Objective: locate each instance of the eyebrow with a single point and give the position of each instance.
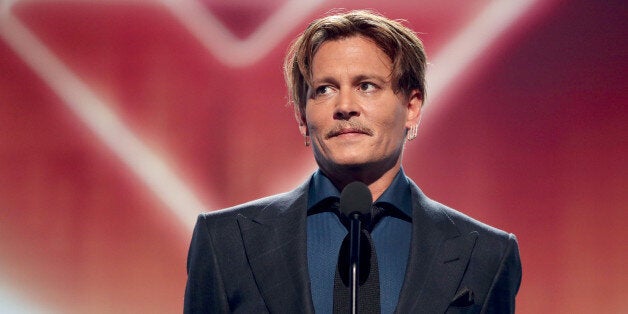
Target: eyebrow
(358, 78)
(367, 77)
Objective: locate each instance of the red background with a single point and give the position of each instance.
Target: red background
(530, 136)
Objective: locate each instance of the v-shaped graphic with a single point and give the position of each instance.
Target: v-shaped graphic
(226, 46)
(146, 164)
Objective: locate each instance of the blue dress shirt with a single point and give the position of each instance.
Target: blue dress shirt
(391, 237)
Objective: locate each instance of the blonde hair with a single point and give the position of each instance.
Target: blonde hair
(398, 42)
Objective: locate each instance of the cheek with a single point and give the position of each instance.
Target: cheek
(314, 120)
(391, 121)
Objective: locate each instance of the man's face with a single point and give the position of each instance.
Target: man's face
(353, 116)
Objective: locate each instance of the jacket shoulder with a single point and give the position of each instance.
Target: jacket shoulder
(493, 271)
(467, 223)
(274, 203)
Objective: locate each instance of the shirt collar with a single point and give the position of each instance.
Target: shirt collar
(321, 188)
(398, 194)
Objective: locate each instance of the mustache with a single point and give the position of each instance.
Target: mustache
(349, 127)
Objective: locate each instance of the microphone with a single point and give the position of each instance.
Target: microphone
(355, 203)
(356, 200)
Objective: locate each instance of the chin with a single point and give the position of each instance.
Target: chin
(353, 160)
(353, 165)
(342, 163)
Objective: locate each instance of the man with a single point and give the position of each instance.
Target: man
(357, 83)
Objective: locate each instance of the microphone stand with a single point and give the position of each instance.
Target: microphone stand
(355, 200)
(354, 259)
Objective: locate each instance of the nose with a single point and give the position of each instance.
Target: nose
(346, 106)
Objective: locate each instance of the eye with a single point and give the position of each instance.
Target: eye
(322, 90)
(367, 87)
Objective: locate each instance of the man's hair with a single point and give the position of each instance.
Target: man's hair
(398, 42)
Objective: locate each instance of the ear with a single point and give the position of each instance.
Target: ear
(415, 103)
(299, 114)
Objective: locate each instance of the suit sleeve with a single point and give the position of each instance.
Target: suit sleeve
(204, 291)
(501, 297)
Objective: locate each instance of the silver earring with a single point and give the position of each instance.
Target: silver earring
(307, 141)
(412, 132)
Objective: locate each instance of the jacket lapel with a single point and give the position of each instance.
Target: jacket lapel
(276, 247)
(438, 257)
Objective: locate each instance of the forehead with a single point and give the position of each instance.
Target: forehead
(354, 55)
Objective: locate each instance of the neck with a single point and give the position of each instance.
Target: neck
(377, 182)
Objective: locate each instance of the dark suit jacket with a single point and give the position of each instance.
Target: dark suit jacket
(252, 259)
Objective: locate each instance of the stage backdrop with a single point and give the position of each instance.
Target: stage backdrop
(121, 121)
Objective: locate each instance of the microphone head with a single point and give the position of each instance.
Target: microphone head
(356, 198)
